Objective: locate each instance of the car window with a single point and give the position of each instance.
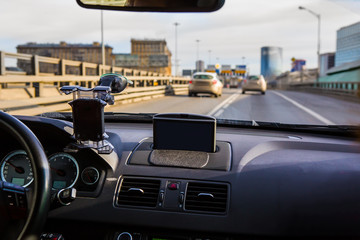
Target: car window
(254, 78)
(206, 77)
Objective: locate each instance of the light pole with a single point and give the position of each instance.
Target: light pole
(197, 54)
(197, 49)
(209, 57)
(102, 39)
(318, 41)
(176, 60)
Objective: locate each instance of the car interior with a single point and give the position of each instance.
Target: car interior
(174, 176)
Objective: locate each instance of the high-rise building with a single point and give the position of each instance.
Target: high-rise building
(153, 55)
(271, 62)
(348, 44)
(327, 61)
(200, 66)
(77, 52)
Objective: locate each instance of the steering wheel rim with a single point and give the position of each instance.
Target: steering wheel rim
(40, 202)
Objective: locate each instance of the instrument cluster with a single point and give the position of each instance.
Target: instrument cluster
(16, 168)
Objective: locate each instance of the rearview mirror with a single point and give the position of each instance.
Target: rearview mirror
(154, 5)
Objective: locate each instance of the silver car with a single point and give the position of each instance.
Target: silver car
(204, 82)
(254, 83)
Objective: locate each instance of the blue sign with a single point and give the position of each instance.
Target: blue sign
(240, 67)
(298, 65)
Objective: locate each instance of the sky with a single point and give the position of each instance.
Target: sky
(236, 31)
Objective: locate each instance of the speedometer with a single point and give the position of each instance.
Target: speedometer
(64, 170)
(16, 168)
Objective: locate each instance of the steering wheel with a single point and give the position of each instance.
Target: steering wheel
(37, 206)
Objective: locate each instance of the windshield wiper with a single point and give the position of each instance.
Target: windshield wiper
(339, 130)
(346, 130)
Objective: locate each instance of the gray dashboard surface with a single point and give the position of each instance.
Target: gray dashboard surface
(143, 154)
(280, 184)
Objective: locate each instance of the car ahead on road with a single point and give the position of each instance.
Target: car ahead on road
(254, 83)
(203, 82)
(234, 82)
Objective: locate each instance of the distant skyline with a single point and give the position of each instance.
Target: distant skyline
(237, 30)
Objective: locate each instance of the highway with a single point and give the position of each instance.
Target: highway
(275, 106)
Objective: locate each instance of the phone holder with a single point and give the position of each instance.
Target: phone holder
(88, 111)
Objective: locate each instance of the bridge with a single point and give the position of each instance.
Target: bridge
(295, 99)
(39, 92)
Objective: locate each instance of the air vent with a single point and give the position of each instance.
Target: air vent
(140, 192)
(206, 197)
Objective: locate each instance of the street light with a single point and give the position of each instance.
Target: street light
(318, 43)
(209, 57)
(197, 54)
(102, 39)
(197, 49)
(176, 60)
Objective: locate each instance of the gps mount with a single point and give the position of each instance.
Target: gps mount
(88, 111)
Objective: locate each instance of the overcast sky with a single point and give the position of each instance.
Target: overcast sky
(237, 30)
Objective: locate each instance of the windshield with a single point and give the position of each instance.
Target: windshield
(308, 53)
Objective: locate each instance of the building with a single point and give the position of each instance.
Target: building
(77, 52)
(200, 66)
(153, 55)
(344, 74)
(271, 62)
(348, 44)
(126, 60)
(327, 61)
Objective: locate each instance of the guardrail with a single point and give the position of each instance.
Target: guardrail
(39, 92)
(348, 89)
(40, 105)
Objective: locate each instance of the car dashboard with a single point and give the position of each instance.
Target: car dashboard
(260, 184)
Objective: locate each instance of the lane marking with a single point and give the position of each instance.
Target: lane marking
(232, 100)
(234, 96)
(309, 111)
(219, 113)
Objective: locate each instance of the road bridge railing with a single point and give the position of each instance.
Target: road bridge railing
(306, 81)
(336, 88)
(38, 92)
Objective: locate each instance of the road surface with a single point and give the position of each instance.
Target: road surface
(274, 106)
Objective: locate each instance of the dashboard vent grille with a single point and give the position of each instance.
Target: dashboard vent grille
(139, 192)
(206, 197)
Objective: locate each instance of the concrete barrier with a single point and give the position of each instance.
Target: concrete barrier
(39, 92)
(35, 106)
(343, 90)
